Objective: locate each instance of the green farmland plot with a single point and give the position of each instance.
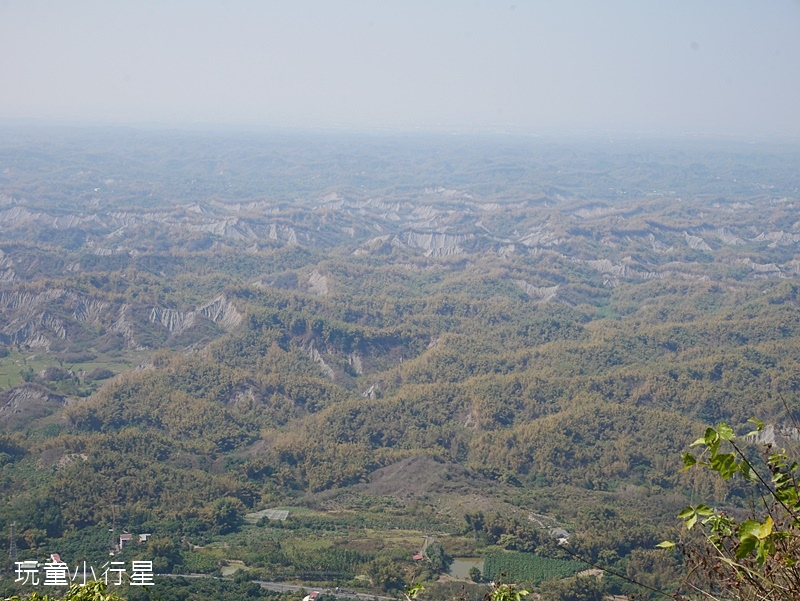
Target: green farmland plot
(525, 567)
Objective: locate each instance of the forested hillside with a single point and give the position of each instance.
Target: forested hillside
(447, 337)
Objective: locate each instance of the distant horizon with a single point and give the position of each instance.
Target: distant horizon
(549, 133)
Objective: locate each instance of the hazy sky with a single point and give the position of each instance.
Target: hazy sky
(708, 66)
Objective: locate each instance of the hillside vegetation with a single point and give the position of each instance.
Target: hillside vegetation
(392, 339)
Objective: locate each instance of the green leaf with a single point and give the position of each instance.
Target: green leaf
(745, 547)
(691, 521)
(704, 510)
(725, 464)
(686, 513)
(766, 528)
(747, 472)
(724, 431)
(710, 437)
(759, 426)
(765, 548)
(666, 544)
(688, 461)
(749, 528)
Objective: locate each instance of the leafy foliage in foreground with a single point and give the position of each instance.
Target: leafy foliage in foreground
(95, 590)
(753, 556)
